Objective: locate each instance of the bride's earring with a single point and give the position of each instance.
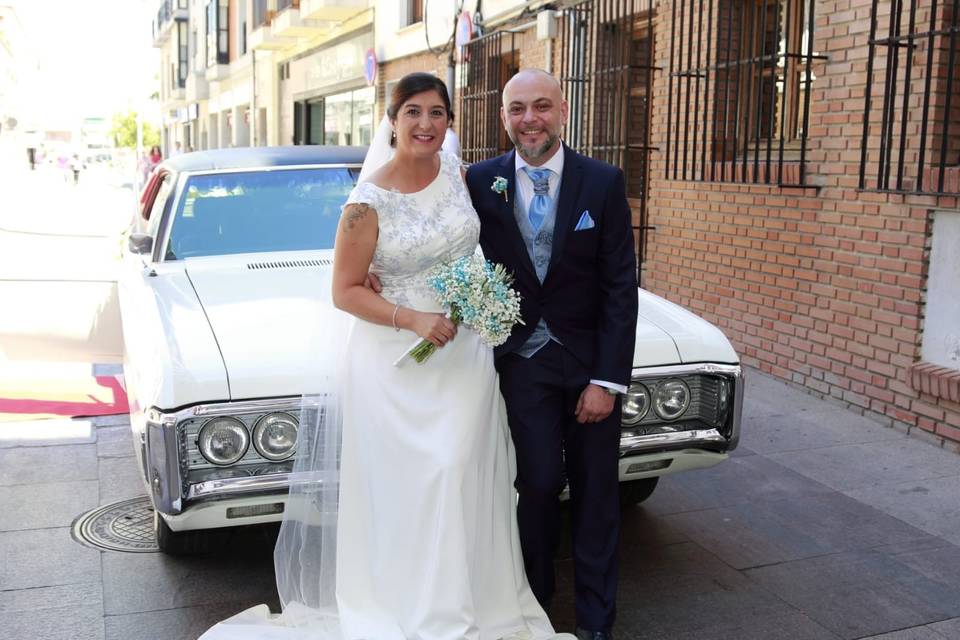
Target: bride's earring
(393, 138)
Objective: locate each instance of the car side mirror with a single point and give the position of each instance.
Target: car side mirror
(140, 243)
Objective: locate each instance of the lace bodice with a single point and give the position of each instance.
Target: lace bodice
(419, 230)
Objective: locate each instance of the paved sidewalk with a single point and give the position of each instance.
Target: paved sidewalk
(823, 525)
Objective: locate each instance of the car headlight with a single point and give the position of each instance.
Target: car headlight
(671, 398)
(275, 436)
(636, 403)
(223, 440)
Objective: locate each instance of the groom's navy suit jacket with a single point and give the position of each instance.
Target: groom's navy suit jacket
(589, 295)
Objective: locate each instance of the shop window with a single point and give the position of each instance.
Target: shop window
(341, 119)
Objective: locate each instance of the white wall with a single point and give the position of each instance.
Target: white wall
(394, 41)
(941, 328)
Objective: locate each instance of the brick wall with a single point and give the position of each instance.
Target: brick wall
(822, 287)
(528, 52)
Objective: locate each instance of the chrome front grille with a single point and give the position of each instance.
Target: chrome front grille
(194, 460)
(290, 264)
(194, 468)
(710, 403)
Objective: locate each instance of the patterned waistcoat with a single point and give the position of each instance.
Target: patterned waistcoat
(539, 247)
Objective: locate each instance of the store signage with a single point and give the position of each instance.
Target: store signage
(337, 64)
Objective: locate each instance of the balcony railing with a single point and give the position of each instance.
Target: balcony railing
(291, 23)
(262, 14)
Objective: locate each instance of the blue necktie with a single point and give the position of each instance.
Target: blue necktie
(540, 204)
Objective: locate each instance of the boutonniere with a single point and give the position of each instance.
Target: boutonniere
(500, 186)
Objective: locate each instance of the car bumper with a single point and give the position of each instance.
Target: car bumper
(208, 504)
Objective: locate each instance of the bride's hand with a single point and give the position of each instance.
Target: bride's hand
(434, 327)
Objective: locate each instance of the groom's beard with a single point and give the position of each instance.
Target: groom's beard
(535, 152)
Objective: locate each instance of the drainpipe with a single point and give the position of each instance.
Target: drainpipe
(253, 99)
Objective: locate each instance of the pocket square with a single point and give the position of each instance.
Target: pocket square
(586, 222)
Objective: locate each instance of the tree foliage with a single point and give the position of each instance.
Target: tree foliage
(124, 131)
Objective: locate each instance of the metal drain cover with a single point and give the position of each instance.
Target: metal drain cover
(120, 526)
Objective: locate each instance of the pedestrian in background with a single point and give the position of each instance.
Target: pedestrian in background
(148, 162)
(76, 166)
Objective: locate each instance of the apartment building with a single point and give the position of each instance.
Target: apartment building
(263, 72)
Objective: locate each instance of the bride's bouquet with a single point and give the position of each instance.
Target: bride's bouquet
(476, 293)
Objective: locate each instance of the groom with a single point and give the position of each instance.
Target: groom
(561, 223)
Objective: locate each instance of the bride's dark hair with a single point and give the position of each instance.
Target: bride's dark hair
(412, 84)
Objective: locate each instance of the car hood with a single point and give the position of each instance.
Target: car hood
(669, 334)
(267, 315)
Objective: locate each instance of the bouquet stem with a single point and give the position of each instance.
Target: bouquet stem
(422, 349)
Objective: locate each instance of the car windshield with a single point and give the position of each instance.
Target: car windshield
(257, 211)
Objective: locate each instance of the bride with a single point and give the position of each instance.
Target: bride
(420, 542)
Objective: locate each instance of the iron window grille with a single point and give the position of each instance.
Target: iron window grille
(911, 141)
(606, 69)
(738, 93)
(486, 65)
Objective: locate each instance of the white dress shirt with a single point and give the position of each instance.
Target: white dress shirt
(525, 192)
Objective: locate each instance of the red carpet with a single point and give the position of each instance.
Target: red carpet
(62, 398)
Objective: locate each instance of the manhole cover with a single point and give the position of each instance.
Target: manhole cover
(120, 526)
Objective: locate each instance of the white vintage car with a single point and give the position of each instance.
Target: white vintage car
(216, 314)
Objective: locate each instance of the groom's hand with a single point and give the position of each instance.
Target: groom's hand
(594, 404)
(372, 282)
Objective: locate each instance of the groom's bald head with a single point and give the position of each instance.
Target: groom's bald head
(537, 76)
(534, 113)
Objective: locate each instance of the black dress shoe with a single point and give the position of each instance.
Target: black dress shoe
(583, 634)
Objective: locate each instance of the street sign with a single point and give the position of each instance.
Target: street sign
(464, 35)
(464, 29)
(370, 66)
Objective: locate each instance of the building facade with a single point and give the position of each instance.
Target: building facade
(263, 72)
(792, 165)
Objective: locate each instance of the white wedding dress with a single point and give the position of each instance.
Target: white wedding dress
(427, 545)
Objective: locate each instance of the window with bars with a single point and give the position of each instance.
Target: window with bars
(606, 69)
(606, 72)
(911, 122)
(738, 90)
(218, 32)
(487, 63)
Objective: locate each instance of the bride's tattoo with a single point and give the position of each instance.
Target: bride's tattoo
(354, 214)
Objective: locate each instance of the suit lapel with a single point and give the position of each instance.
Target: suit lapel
(569, 189)
(507, 167)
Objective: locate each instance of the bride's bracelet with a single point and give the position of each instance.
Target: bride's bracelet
(394, 319)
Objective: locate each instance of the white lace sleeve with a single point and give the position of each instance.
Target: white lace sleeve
(365, 193)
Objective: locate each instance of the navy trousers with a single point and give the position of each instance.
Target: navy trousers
(541, 395)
